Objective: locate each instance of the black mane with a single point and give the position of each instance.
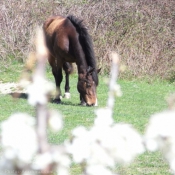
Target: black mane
(86, 43)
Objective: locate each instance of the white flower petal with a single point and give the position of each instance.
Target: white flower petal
(98, 169)
(55, 121)
(17, 133)
(104, 117)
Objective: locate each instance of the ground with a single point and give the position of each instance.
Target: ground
(6, 88)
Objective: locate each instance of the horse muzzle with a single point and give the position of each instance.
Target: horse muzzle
(89, 103)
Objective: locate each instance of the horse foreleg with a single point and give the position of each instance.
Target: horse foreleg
(68, 69)
(82, 102)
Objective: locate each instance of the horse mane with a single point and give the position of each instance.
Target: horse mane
(86, 43)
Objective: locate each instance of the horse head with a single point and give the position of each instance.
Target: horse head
(87, 87)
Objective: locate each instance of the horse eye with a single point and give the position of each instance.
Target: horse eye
(88, 85)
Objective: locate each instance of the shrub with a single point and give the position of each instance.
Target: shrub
(141, 31)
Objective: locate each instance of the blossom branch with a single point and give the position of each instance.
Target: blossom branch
(113, 79)
(41, 109)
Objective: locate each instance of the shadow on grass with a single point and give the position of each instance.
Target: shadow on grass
(19, 95)
(25, 96)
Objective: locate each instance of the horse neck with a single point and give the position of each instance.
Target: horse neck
(81, 65)
(80, 57)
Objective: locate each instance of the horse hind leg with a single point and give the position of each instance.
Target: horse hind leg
(57, 73)
(68, 68)
(58, 80)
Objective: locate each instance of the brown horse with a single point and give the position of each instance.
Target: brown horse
(68, 41)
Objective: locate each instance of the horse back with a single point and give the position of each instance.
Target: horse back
(59, 32)
(52, 24)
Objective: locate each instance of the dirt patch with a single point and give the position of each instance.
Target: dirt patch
(7, 88)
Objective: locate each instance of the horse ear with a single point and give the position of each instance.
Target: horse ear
(98, 70)
(90, 70)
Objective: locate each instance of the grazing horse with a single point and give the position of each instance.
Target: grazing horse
(68, 41)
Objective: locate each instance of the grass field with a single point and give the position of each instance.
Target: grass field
(140, 99)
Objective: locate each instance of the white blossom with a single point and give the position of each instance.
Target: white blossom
(38, 91)
(42, 160)
(160, 135)
(105, 144)
(100, 134)
(57, 157)
(62, 171)
(24, 83)
(55, 121)
(159, 129)
(6, 166)
(100, 156)
(61, 157)
(79, 146)
(117, 90)
(104, 117)
(29, 172)
(86, 147)
(79, 149)
(17, 133)
(121, 142)
(79, 131)
(98, 169)
(127, 144)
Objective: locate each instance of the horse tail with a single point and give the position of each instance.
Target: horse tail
(86, 43)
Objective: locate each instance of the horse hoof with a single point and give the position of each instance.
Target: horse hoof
(57, 101)
(67, 95)
(83, 103)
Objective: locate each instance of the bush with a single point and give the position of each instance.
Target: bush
(141, 31)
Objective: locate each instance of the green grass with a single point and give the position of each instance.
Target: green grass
(140, 100)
